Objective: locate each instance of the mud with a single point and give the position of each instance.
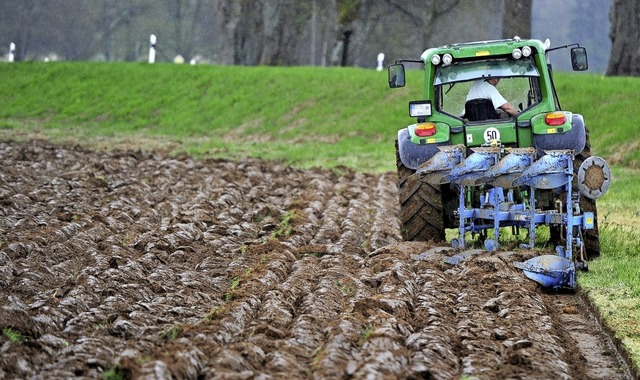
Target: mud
(149, 266)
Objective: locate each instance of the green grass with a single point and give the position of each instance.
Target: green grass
(613, 282)
(115, 373)
(12, 335)
(284, 228)
(608, 105)
(307, 117)
(171, 333)
(366, 333)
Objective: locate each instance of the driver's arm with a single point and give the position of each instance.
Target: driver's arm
(508, 108)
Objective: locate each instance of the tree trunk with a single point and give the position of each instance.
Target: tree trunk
(190, 41)
(230, 12)
(516, 19)
(25, 28)
(368, 17)
(273, 24)
(625, 33)
(314, 32)
(177, 18)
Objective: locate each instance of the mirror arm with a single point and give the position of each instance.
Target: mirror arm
(563, 47)
(409, 61)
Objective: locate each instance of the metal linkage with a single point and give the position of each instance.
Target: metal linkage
(501, 171)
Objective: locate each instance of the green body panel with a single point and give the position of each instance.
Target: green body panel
(541, 128)
(457, 138)
(525, 137)
(505, 132)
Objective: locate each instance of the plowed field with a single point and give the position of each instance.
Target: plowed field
(149, 266)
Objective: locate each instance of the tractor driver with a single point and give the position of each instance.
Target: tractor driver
(486, 89)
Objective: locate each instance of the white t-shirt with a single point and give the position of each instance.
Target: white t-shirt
(481, 89)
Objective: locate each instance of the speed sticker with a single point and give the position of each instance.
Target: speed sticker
(491, 134)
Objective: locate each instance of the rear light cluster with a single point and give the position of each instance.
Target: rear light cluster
(555, 119)
(425, 129)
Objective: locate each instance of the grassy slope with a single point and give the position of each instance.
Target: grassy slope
(314, 117)
(309, 116)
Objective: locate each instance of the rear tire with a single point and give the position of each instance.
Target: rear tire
(421, 207)
(592, 236)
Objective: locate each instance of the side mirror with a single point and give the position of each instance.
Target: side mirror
(579, 59)
(396, 75)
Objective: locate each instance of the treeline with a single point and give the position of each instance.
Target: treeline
(254, 32)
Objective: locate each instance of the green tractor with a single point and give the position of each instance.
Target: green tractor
(492, 148)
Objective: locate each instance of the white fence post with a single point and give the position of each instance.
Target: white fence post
(380, 61)
(152, 48)
(12, 52)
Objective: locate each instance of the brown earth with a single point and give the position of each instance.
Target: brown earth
(155, 267)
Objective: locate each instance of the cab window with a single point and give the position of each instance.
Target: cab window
(519, 83)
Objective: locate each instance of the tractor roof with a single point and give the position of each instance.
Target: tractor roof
(484, 48)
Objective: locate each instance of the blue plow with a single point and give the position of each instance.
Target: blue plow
(550, 271)
(497, 174)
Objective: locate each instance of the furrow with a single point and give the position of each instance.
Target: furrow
(386, 225)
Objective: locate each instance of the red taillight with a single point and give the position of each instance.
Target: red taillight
(555, 119)
(425, 129)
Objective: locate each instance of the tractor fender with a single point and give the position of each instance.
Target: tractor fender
(413, 155)
(574, 139)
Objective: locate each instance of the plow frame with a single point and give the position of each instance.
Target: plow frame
(498, 210)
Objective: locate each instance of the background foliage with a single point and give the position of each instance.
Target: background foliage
(283, 32)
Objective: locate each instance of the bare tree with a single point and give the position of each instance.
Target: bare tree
(72, 28)
(625, 33)
(416, 18)
(19, 16)
(275, 17)
(517, 19)
(183, 15)
(266, 32)
(116, 15)
(26, 17)
(316, 28)
(227, 19)
(424, 14)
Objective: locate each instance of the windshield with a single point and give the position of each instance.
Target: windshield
(518, 84)
(464, 71)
